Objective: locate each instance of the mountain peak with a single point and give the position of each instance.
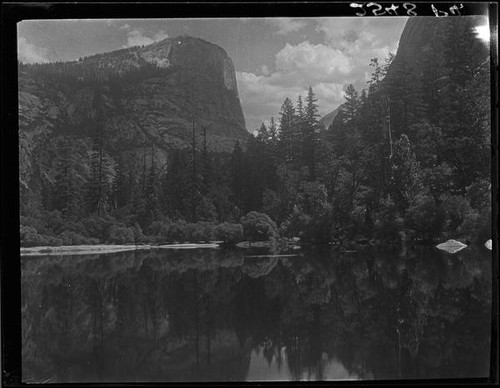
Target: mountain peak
(327, 119)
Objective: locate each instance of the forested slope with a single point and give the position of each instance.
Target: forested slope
(406, 159)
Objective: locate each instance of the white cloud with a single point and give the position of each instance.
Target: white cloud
(362, 39)
(287, 25)
(160, 35)
(325, 68)
(342, 58)
(264, 69)
(30, 53)
(262, 96)
(137, 36)
(313, 62)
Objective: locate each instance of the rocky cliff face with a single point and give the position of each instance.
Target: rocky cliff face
(419, 64)
(327, 119)
(138, 98)
(424, 37)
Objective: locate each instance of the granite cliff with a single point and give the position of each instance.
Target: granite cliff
(134, 99)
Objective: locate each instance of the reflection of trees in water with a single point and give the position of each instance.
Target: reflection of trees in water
(186, 315)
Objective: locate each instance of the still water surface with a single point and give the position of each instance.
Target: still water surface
(216, 315)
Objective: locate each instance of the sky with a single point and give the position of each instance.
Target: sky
(274, 58)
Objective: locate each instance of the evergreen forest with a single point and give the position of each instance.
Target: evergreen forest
(406, 160)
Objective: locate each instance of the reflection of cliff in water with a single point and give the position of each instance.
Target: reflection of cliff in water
(216, 315)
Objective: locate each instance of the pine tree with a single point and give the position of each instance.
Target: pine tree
(237, 178)
(151, 193)
(206, 165)
(71, 174)
(193, 184)
(99, 185)
(119, 189)
(351, 105)
(287, 121)
(273, 138)
(405, 95)
(311, 128)
(407, 174)
(298, 133)
(379, 72)
(263, 134)
(273, 131)
(175, 196)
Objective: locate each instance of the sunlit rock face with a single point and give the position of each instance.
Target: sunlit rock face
(193, 54)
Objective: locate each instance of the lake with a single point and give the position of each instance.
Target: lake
(237, 315)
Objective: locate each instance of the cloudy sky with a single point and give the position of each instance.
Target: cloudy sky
(274, 57)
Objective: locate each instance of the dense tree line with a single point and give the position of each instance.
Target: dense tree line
(407, 158)
(119, 69)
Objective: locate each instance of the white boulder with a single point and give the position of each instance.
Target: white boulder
(451, 246)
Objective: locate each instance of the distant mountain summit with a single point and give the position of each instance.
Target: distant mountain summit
(327, 119)
(186, 52)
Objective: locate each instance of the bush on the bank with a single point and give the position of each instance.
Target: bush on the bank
(201, 232)
(477, 226)
(425, 218)
(388, 223)
(35, 223)
(456, 209)
(358, 223)
(294, 225)
(31, 238)
(271, 203)
(159, 228)
(76, 227)
(139, 236)
(484, 227)
(319, 229)
(72, 238)
(230, 233)
(313, 229)
(258, 227)
(54, 222)
(479, 194)
(98, 227)
(121, 235)
(177, 231)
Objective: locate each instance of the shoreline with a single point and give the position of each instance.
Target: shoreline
(111, 248)
(106, 248)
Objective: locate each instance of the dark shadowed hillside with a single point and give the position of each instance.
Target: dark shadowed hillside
(135, 98)
(95, 130)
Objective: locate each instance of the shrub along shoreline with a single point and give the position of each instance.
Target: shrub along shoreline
(54, 231)
(423, 225)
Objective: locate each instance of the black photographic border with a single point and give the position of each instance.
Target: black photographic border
(10, 280)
